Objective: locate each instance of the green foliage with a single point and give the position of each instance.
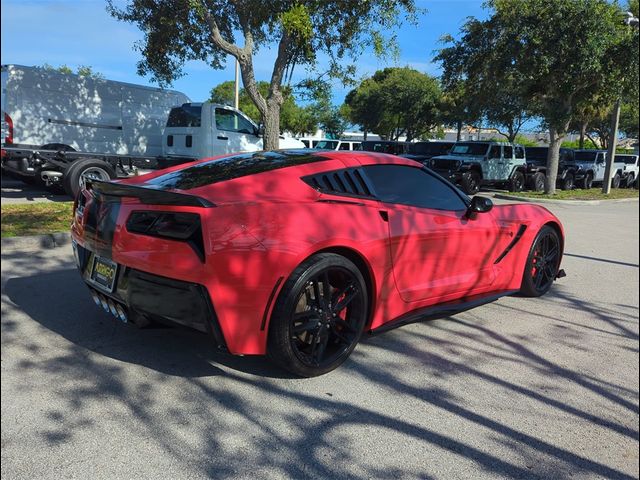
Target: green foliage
(293, 118)
(82, 70)
(588, 144)
(525, 141)
(629, 119)
(396, 102)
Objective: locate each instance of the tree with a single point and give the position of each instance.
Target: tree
(293, 118)
(491, 86)
(179, 30)
(82, 70)
(561, 54)
(396, 102)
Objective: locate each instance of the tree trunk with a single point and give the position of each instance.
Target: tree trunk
(583, 133)
(365, 135)
(459, 134)
(271, 140)
(553, 158)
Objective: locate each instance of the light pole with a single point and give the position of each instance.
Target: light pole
(632, 21)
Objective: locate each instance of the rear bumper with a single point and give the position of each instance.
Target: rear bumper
(160, 298)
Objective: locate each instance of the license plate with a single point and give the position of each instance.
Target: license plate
(103, 273)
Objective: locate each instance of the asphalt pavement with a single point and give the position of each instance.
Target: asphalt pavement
(16, 191)
(521, 388)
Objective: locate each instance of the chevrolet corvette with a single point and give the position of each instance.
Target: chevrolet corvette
(295, 254)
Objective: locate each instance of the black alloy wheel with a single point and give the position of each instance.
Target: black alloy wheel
(471, 182)
(615, 181)
(543, 263)
(567, 182)
(319, 316)
(587, 182)
(516, 182)
(537, 182)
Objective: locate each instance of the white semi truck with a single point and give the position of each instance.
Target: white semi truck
(62, 129)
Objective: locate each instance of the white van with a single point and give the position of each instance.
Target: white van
(45, 109)
(201, 130)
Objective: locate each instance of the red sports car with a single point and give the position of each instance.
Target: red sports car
(296, 253)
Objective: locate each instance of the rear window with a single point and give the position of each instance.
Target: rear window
(185, 116)
(237, 166)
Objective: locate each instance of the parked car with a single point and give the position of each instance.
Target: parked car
(297, 253)
(385, 146)
(330, 144)
(474, 164)
(537, 168)
(590, 166)
(630, 169)
(424, 151)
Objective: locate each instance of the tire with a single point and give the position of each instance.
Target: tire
(545, 250)
(537, 181)
(470, 183)
(587, 182)
(615, 181)
(630, 180)
(516, 182)
(76, 173)
(567, 183)
(312, 333)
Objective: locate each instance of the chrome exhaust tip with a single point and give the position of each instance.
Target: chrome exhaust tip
(112, 308)
(95, 297)
(121, 314)
(104, 303)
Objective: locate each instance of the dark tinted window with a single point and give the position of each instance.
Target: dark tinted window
(412, 186)
(326, 145)
(537, 153)
(508, 151)
(394, 148)
(495, 151)
(230, 121)
(470, 148)
(229, 168)
(583, 156)
(519, 152)
(628, 159)
(429, 148)
(185, 116)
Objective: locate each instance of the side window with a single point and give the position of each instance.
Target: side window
(343, 146)
(230, 121)
(519, 152)
(357, 146)
(413, 186)
(508, 151)
(495, 151)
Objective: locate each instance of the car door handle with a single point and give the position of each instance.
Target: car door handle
(222, 137)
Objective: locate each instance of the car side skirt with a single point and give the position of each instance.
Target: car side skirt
(442, 310)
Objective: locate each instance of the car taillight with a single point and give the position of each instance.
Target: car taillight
(8, 138)
(184, 227)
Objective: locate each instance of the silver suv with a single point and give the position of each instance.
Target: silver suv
(474, 164)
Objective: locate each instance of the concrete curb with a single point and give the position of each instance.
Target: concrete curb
(560, 202)
(35, 242)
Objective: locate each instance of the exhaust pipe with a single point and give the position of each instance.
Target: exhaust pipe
(50, 177)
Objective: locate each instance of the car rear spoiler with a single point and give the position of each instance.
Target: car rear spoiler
(146, 195)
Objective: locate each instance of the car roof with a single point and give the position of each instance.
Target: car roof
(221, 169)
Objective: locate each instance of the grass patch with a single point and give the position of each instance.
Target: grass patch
(578, 194)
(36, 218)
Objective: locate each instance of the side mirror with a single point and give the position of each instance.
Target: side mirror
(479, 204)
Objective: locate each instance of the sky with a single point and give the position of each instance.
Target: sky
(81, 32)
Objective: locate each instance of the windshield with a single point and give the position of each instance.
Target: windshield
(585, 156)
(326, 145)
(428, 148)
(469, 149)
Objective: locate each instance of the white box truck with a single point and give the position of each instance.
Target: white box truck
(60, 127)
